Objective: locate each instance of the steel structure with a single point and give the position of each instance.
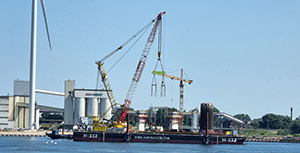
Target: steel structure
(140, 67)
(107, 86)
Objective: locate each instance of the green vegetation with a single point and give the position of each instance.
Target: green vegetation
(50, 126)
(257, 132)
(131, 118)
(295, 126)
(161, 117)
(283, 132)
(52, 116)
(187, 120)
(216, 110)
(272, 121)
(243, 117)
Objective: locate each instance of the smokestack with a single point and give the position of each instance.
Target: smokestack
(292, 113)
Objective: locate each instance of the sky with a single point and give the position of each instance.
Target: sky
(243, 56)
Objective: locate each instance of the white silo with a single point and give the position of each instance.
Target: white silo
(79, 109)
(92, 107)
(104, 106)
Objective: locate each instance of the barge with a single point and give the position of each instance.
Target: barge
(206, 135)
(159, 137)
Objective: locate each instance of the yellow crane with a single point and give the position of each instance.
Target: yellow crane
(182, 80)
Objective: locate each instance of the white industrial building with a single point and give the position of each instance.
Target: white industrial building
(83, 103)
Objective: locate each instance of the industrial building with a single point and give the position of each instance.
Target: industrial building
(5, 116)
(11, 115)
(83, 103)
(78, 106)
(14, 109)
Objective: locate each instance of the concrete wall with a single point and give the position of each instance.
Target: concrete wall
(21, 116)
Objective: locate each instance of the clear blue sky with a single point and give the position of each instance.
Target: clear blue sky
(242, 55)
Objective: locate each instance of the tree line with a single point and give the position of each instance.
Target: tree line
(52, 115)
(285, 124)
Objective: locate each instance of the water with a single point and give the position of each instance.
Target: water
(44, 144)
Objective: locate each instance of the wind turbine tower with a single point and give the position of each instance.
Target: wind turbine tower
(33, 58)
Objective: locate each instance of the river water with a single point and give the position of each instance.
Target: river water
(45, 144)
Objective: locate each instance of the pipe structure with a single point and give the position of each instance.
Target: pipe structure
(49, 92)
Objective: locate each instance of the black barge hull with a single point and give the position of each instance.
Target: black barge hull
(157, 138)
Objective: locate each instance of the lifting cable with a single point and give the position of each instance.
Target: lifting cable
(153, 85)
(143, 30)
(146, 28)
(126, 42)
(186, 75)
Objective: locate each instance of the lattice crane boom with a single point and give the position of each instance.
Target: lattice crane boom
(140, 67)
(108, 88)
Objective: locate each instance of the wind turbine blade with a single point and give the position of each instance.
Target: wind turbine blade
(45, 18)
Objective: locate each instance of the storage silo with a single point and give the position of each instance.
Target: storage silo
(104, 106)
(79, 109)
(207, 116)
(92, 107)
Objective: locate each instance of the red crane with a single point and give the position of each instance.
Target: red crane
(140, 67)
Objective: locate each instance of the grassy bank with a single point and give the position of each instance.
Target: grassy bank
(257, 132)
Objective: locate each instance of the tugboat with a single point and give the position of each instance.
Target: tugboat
(54, 135)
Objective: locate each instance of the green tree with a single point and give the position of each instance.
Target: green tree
(162, 117)
(131, 118)
(243, 117)
(217, 121)
(187, 120)
(257, 123)
(295, 126)
(272, 121)
(216, 110)
(52, 116)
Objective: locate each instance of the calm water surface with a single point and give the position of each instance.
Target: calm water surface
(44, 144)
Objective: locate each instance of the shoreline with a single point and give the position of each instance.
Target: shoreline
(29, 133)
(274, 140)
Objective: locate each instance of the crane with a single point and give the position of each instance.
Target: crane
(163, 73)
(140, 67)
(103, 73)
